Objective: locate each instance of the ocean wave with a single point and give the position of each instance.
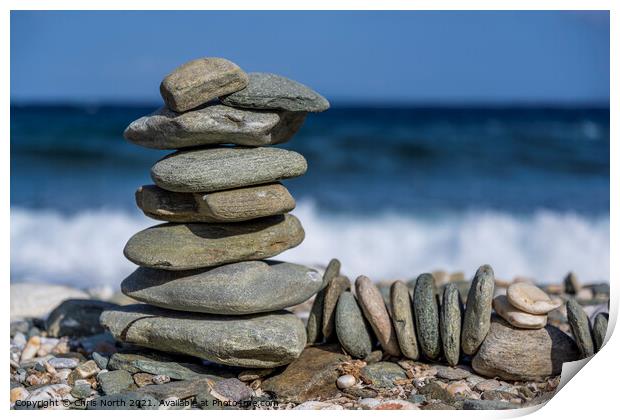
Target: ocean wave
(85, 249)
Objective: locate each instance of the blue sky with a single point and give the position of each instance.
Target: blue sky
(376, 57)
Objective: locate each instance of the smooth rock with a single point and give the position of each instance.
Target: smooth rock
(200, 245)
(580, 327)
(516, 317)
(451, 373)
(435, 391)
(487, 385)
(81, 389)
(517, 354)
(235, 205)
(427, 316)
(376, 314)
(63, 363)
(115, 382)
(352, 329)
(333, 291)
(234, 289)
(488, 405)
(314, 325)
(530, 299)
(383, 374)
(211, 125)
(450, 323)
(101, 360)
(86, 370)
(312, 375)
(402, 317)
(270, 91)
(599, 329)
(225, 168)
(571, 284)
(477, 318)
(346, 381)
(232, 389)
(77, 318)
(173, 366)
(124, 401)
(37, 300)
(257, 341)
(178, 389)
(142, 379)
(200, 81)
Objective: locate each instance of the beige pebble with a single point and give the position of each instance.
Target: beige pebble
(19, 394)
(31, 349)
(530, 299)
(456, 388)
(396, 405)
(487, 385)
(87, 369)
(161, 379)
(516, 317)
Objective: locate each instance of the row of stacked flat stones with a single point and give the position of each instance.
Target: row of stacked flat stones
(427, 323)
(208, 291)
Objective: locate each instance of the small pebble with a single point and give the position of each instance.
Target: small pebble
(19, 394)
(161, 379)
(346, 381)
(31, 348)
(63, 363)
(87, 369)
(81, 389)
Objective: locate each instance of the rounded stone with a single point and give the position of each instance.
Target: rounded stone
(314, 326)
(213, 124)
(346, 381)
(200, 81)
(225, 168)
(376, 314)
(599, 329)
(515, 354)
(270, 91)
(334, 289)
(530, 299)
(199, 245)
(252, 341)
(236, 205)
(247, 287)
(351, 328)
(450, 324)
(427, 316)
(580, 327)
(402, 316)
(477, 318)
(516, 317)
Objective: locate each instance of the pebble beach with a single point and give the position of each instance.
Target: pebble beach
(209, 320)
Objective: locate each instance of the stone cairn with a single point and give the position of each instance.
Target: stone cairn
(502, 332)
(208, 291)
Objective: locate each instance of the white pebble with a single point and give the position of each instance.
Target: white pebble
(346, 381)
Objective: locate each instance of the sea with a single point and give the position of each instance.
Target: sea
(392, 191)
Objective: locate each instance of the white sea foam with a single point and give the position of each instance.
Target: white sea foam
(86, 249)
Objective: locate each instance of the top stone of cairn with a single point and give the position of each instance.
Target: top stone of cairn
(270, 91)
(199, 81)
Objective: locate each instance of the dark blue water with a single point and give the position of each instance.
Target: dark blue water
(361, 160)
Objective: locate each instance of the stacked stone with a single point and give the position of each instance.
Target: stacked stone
(208, 291)
(432, 323)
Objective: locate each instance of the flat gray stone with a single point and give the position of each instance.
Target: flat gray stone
(174, 366)
(352, 330)
(580, 327)
(383, 374)
(199, 245)
(599, 329)
(177, 389)
(253, 341)
(237, 205)
(242, 288)
(452, 373)
(213, 124)
(332, 292)
(516, 354)
(426, 314)
(376, 313)
(450, 324)
(402, 316)
(314, 326)
(270, 91)
(115, 382)
(76, 318)
(200, 81)
(477, 318)
(225, 168)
